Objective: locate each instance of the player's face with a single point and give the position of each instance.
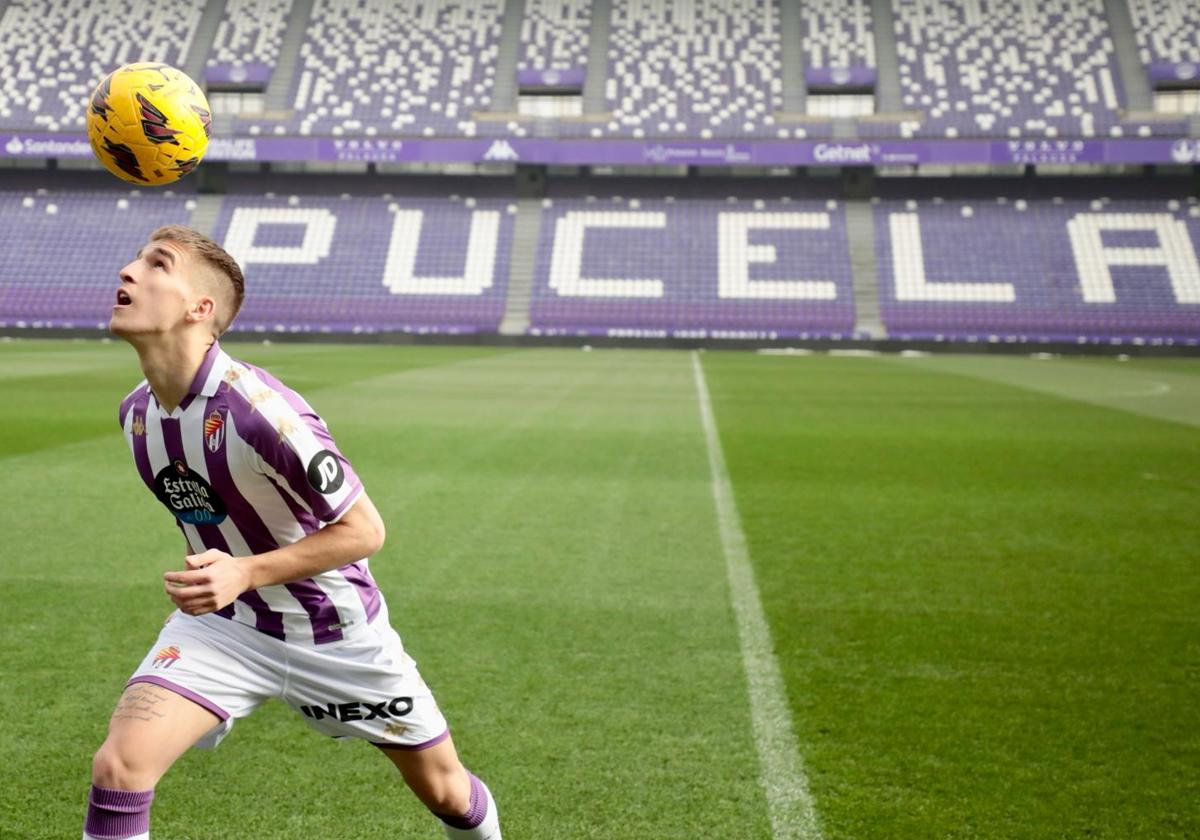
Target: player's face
(155, 295)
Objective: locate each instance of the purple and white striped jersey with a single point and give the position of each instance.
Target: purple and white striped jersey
(245, 465)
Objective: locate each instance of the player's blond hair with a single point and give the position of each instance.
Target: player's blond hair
(216, 258)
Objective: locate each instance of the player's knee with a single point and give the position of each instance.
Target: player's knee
(446, 794)
(112, 768)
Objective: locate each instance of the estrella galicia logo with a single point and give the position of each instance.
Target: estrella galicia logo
(187, 495)
(325, 472)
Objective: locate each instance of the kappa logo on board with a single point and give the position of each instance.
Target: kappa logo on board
(501, 150)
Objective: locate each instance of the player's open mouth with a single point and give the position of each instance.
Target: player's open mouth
(123, 298)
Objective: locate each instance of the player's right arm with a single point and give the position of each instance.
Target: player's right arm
(215, 578)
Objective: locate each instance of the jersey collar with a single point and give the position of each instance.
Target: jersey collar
(206, 381)
(211, 372)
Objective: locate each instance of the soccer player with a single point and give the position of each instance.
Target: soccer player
(276, 599)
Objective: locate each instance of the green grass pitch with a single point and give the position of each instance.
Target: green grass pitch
(982, 577)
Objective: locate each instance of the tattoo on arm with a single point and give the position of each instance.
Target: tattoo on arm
(139, 702)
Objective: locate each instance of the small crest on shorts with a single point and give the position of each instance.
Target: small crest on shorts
(139, 425)
(166, 657)
(214, 431)
(395, 730)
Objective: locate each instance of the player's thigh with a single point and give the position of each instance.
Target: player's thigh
(149, 729)
(434, 774)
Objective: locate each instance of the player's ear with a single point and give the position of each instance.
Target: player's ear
(203, 308)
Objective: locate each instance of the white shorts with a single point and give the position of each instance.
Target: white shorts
(364, 686)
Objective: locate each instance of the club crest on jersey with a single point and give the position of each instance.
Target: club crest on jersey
(166, 657)
(139, 425)
(214, 431)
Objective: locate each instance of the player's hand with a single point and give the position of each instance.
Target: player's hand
(213, 580)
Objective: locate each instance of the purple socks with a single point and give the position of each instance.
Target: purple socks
(116, 814)
(476, 813)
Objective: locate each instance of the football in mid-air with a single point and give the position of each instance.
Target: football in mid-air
(149, 123)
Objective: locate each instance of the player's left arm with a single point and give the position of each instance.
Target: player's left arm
(215, 578)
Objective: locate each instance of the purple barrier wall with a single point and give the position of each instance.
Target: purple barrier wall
(570, 78)
(1173, 71)
(1167, 149)
(840, 77)
(238, 73)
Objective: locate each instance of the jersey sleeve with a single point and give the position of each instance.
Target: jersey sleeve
(293, 446)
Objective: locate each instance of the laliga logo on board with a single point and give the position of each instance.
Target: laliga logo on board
(15, 146)
(658, 153)
(1186, 151)
(1186, 70)
(840, 76)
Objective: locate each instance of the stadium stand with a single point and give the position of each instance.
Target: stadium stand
(55, 51)
(1007, 68)
(1167, 30)
(964, 260)
(837, 34)
(730, 256)
(371, 67)
(420, 259)
(699, 69)
(638, 258)
(250, 35)
(554, 35)
(958, 258)
(54, 239)
(675, 68)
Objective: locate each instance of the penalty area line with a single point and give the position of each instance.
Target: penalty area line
(792, 812)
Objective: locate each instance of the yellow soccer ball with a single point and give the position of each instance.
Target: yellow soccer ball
(149, 123)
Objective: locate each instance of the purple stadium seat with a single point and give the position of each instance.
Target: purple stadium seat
(684, 260)
(372, 67)
(416, 261)
(1168, 32)
(248, 39)
(54, 52)
(838, 34)
(1006, 68)
(1047, 267)
(554, 35)
(692, 68)
(63, 248)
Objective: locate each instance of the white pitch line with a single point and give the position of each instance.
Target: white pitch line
(793, 815)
